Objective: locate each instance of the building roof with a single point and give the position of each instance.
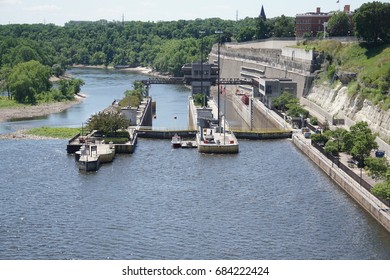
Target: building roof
(262, 13)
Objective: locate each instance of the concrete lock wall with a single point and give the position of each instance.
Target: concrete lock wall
(231, 68)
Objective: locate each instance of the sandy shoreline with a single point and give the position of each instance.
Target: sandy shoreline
(139, 69)
(36, 111)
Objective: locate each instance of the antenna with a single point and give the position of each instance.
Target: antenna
(123, 19)
(236, 15)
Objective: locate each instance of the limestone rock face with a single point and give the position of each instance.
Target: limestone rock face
(338, 102)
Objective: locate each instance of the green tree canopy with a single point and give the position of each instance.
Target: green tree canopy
(107, 122)
(378, 168)
(282, 100)
(359, 141)
(27, 80)
(133, 97)
(339, 24)
(282, 26)
(382, 190)
(68, 88)
(372, 21)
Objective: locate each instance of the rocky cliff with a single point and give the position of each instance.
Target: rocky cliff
(339, 103)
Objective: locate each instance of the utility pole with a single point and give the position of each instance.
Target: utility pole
(201, 68)
(219, 32)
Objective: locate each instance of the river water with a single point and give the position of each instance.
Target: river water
(267, 202)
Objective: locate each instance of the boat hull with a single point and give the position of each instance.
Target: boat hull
(89, 164)
(230, 146)
(176, 145)
(218, 149)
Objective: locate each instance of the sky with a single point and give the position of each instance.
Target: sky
(60, 12)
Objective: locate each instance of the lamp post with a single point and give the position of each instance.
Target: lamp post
(201, 68)
(388, 195)
(219, 32)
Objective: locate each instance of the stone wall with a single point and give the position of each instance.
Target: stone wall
(339, 103)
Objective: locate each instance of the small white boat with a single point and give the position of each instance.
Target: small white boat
(188, 144)
(176, 141)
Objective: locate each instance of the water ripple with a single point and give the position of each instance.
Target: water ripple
(267, 202)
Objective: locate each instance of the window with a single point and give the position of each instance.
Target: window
(261, 87)
(268, 90)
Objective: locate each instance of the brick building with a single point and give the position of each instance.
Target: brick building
(313, 22)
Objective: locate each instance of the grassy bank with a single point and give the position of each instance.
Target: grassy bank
(54, 132)
(371, 63)
(5, 102)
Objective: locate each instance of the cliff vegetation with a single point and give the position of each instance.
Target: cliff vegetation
(363, 68)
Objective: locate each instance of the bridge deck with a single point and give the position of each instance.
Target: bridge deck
(188, 81)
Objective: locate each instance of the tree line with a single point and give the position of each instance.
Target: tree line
(163, 46)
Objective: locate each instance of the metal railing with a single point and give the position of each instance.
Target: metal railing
(347, 170)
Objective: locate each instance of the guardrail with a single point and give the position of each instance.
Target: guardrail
(347, 170)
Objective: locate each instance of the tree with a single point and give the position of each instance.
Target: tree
(339, 24)
(107, 122)
(200, 99)
(320, 138)
(29, 79)
(98, 58)
(359, 141)
(57, 70)
(245, 34)
(296, 110)
(338, 137)
(372, 22)
(331, 148)
(282, 26)
(378, 168)
(68, 88)
(134, 97)
(262, 31)
(5, 73)
(282, 100)
(382, 190)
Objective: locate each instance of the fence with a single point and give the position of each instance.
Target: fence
(347, 170)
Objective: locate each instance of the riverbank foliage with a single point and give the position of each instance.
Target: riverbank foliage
(5, 102)
(133, 97)
(54, 132)
(164, 46)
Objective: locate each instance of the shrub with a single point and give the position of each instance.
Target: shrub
(321, 139)
(116, 140)
(119, 134)
(331, 147)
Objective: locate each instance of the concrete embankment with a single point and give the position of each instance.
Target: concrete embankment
(370, 203)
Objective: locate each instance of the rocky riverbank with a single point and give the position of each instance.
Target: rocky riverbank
(22, 134)
(36, 111)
